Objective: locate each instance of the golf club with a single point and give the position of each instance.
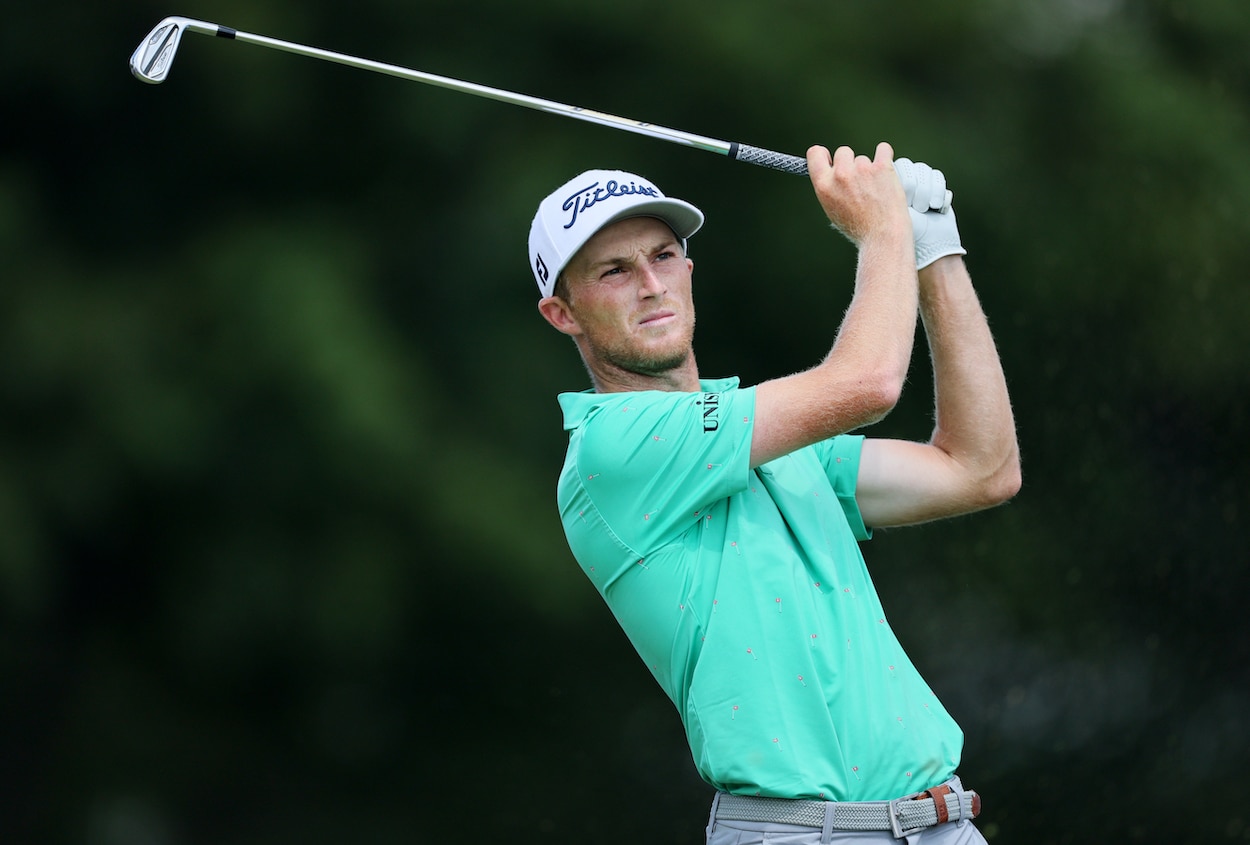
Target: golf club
(154, 56)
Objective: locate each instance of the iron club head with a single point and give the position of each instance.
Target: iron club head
(154, 55)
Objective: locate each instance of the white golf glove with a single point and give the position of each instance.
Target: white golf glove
(932, 218)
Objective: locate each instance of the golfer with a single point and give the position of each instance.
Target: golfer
(722, 523)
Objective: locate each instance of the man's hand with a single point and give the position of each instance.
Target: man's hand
(932, 217)
(924, 187)
(860, 196)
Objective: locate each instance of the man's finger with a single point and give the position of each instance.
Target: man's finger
(843, 157)
(819, 161)
(938, 199)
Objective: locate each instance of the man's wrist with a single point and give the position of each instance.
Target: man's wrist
(895, 236)
(947, 269)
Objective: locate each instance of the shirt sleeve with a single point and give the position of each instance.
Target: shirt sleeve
(840, 456)
(652, 461)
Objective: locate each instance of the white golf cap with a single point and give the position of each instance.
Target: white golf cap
(579, 208)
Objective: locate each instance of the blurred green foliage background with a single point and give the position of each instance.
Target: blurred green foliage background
(279, 556)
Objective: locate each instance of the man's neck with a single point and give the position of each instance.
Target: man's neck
(682, 379)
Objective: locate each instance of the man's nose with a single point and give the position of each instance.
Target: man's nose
(652, 284)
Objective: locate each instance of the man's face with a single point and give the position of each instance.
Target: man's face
(630, 300)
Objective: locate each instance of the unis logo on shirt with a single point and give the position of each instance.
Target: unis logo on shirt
(711, 412)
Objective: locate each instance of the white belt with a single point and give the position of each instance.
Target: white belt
(902, 816)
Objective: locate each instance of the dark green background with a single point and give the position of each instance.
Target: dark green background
(279, 559)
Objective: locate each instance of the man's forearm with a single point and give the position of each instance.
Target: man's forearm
(974, 421)
(879, 326)
(860, 380)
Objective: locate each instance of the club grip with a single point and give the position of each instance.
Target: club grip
(768, 158)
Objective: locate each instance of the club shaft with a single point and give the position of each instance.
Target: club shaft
(734, 150)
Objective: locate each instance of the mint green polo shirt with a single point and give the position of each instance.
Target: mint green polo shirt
(745, 593)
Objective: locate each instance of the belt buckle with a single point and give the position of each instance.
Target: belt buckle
(896, 819)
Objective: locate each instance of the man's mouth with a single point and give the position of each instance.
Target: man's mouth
(657, 319)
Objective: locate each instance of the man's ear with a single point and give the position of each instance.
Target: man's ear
(557, 312)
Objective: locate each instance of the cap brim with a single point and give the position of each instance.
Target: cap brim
(682, 217)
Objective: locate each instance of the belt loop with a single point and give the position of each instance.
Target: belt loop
(711, 819)
(938, 795)
(826, 833)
